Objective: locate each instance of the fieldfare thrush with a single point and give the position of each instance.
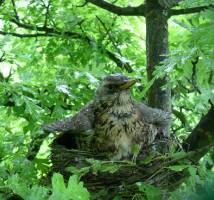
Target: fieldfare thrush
(116, 120)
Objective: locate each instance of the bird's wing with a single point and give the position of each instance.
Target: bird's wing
(154, 115)
(82, 121)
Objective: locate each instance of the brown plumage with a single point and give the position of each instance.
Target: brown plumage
(116, 120)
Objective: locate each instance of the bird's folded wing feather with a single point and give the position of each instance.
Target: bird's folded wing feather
(82, 121)
(154, 115)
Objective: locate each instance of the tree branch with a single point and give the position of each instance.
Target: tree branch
(111, 55)
(199, 142)
(2, 59)
(14, 9)
(184, 11)
(126, 11)
(119, 62)
(202, 136)
(51, 32)
(45, 29)
(26, 35)
(47, 7)
(180, 116)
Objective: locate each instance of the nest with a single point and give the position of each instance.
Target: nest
(151, 170)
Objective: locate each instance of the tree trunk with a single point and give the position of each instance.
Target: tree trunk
(157, 49)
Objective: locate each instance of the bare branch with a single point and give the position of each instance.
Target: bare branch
(184, 11)
(14, 9)
(49, 31)
(2, 59)
(31, 27)
(193, 80)
(119, 62)
(194, 74)
(210, 77)
(126, 11)
(26, 35)
(47, 7)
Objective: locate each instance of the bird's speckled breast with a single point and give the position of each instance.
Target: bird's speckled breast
(118, 129)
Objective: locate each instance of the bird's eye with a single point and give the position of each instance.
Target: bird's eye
(111, 86)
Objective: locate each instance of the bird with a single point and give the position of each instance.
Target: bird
(115, 120)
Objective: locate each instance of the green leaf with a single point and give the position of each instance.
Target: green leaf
(177, 168)
(38, 193)
(136, 149)
(147, 159)
(95, 164)
(79, 172)
(179, 155)
(18, 186)
(192, 170)
(19, 100)
(117, 198)
(103, 166)
(76, 190)
(33, 109)
(109, 167)
(151, 192)
(59, 191)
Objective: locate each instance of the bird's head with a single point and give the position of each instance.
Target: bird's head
(115, 87)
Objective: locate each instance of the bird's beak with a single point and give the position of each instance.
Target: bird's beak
(127, 85)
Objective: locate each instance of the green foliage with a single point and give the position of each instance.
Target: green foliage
(104, 166)
(21, 188)
(177, 168)
(151, 192)
(202, 191)
(73, 191)
(50, 77)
